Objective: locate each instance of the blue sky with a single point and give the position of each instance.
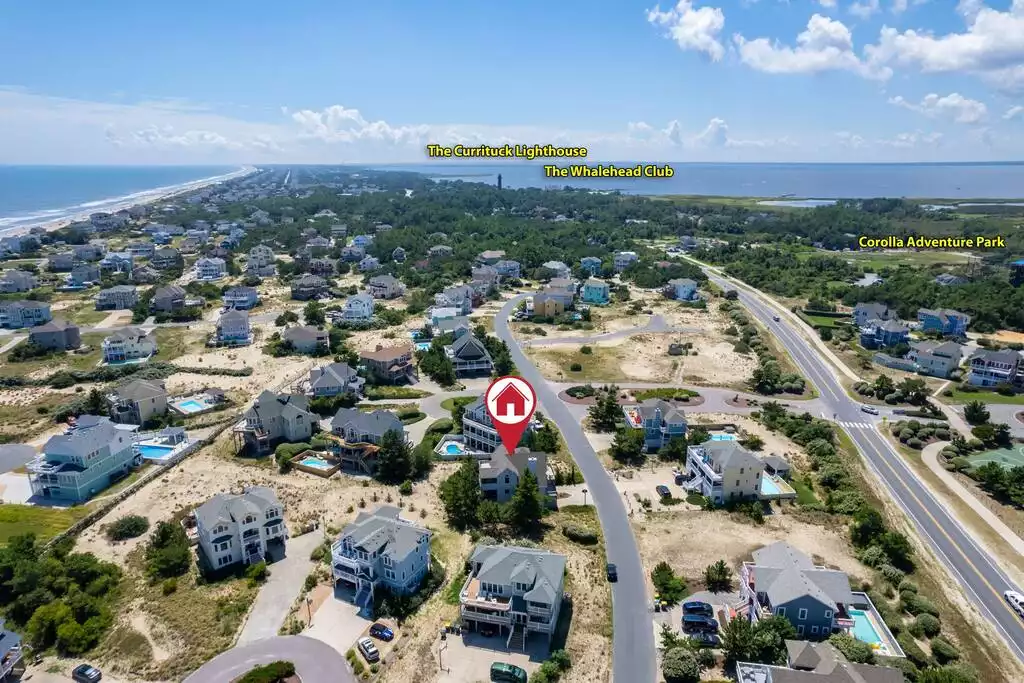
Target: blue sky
(226, 81)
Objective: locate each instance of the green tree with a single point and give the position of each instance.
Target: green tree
(698, 435)
(605, 413)
(526, 507)
(168, 553)
(628, 445)
(95, 403)
(671, 588)
(883, 386)
(394, 459)
(738, 642)
(976, 413)
(285, 318)
(718, 577)
(679, 665)
(770, 636)
(854, 650)
(674, 450)
(460, 495)
(313, 313)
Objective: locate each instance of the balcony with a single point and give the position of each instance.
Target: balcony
(472, 597)
(701, 463)
(489, 617)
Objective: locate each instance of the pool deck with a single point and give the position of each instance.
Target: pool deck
(324, 472)
(782, 490)
(205, 405)
(171, 454)
(441, 449)
(887, 646)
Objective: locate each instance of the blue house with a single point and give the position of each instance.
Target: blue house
(660, 421)
(944, 320)
(596, 292)
(682, 289)
(591, 264)
(878, 334)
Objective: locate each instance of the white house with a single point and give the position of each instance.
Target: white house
(235, 529)
(385, 287)
(358, 307)
(379, 550)
(682, 289)
(560, 269)
(242, 298)
(724, 471)
(211, 268)
(117, 298)
(624, 259)
(15, 315)
(261, 261)
(127, 344)
(369, 263)
(14, 281)
(233, 328)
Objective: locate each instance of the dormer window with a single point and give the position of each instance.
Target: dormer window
(249, 519)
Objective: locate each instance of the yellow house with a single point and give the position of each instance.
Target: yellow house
(547, 306)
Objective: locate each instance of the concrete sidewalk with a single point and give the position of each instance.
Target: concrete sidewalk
(930, 455)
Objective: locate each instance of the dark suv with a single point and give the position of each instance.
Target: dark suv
(698, 623)
(697, 607)
(86, 673)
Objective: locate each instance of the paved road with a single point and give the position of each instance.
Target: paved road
(633, 653)
(315, 661)
(977, 572)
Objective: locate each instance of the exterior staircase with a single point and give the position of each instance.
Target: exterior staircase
(364, 600)
(516, 640)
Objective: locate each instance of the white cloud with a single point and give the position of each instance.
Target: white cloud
(899, 6)
(692, 28)
(992, 46)
(864, 10)
(828, 4)
(825, 45)
(954, 106)
(908, 140)
(851, 140)
(1013, 112)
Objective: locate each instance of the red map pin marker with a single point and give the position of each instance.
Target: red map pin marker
(510, 402)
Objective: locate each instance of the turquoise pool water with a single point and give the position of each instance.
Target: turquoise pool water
(769, 487)
(154, 452)
(316, 463)
(422, 346)
(723, 437)
(191, 406)
(863, 630)
(454, 449)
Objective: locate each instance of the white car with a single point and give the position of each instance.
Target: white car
(870, 410)
(1016, 601)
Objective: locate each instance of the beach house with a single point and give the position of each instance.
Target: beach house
(117, 262)
(590, 265)
(499, 474)
(61, 262)
(117, 298)
(988, 368)
(390, 364)
(137, 402)
(307, 339)
(808, 662)
(168, 299)
(359, 436)
(380, 550)
(234, 529)
(309, 286)
(723, 471)
(460, 297)
(945, 321)
(81, 463)
(385, 287)
(262, 262)
(57, 334)
(878, 334)
(242, 298)
(508, 269)
(681, 289)
(398, 255)
(84, 274)
(128, 344)
(274, 418)
(352, 253)
(358, 307)
(14, 281)
(562, 290)
(660, 421)
(233, 328)
(596, 292)
(937, 359)
(469, 356)
(208, 269)
(863, 313)
(557, 269)
(623, 260)
(547, 306)
(15, 315)
(165, 258)
(490, 257)
(478, 428)
(334, 379)
(363, 241)
(517, 590)
(368, 263)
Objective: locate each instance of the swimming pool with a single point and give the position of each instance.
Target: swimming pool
(316, 463)
(863, 629)
(191, 405)
(422, 346)
(152, 451)
(454, 449)
(723, 437)
(768, 486)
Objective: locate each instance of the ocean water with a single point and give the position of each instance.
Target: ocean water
(816, 181)
(30, 194)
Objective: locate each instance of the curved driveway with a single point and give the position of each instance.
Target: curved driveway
(634, 657)
(315, 661)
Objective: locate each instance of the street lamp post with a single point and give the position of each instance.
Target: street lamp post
(584, 497)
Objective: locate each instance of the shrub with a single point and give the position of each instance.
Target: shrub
(586, 350)
(579, 534)
(913, 652)
(405, 488)
(679, 665)
(943, 650)
(310, 582)
(269, 673)
(169, 586)
(905, 666)
(854, 650)
(129, 526)
(894, 575)
(257, 572)
(874, 556)
(671, 588)
(908, 586)
(929, 624)
(575, 367)
(918, 604)
(915, 443)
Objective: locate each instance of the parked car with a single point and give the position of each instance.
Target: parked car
(86, 673)
(698, 607)
(368, 650)
(382, 632)
(871, 410)
(663, 491)
(1016, 601)
(706, 639)
(507, 673)
(488, 630)
(612, 571)
(694, 623)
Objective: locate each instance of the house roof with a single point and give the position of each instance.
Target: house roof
(949, 348)
(118, 289)
(362, 298)
(241, 291)
(387, 353)
(309, 280)
(651, 408)
(874, 310)
(170, 291)
(728, 454)
(492, 254)
(91, 433)
(891, 326)
(785, 574)
(128, 333)
(55, 325)
(542, 570)
(268, 404)
(594, 282)
(386, 280)
(377, 423)
(229, 507)
(140, 390)
(685, 281)
(233, 316)
(452, 324)
(776, 462)
(468, 347)
(306, 333)
(383, 529)
(332, 375)
(1005, 356)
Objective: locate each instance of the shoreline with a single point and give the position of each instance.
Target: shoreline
(115, 204)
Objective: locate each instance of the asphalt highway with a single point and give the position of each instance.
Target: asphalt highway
(633, 650)
(973, 568)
